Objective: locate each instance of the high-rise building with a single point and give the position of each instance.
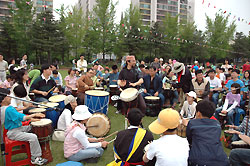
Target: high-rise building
(86, 5)
(156, 10)
(5, 8)
(42, 5)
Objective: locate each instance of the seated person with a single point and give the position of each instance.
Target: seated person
(188, 110)
(70, 82)
(240, 156)
(125, 139)
(54, 67)
(114, 75)
(20, 106)
(235, 79)
(8, 82)
(200, 85)
(170, 149)
(203, 135)
(43, 84)
(170, 92)
(77, 146)
(57, 79)
(231, 105)
(65, 119)
(153, 85)
(12, 121)
(215, 86)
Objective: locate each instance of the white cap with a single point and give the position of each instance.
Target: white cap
(69, 99)
(81, 113)
(161, 59)
(192, 94)
(196, 62)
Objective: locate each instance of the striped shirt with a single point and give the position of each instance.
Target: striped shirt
(242, 127)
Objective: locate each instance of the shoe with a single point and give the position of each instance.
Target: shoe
(118, 111)
(115, 105)
(39, 161)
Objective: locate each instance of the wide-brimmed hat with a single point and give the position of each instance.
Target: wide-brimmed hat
(81, 113)
(178, 67)
(167, 119)
(192, 94)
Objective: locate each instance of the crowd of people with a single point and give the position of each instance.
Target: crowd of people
(203, 94)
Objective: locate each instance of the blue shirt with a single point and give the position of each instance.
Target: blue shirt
(230, 82)
(98, 73)
(13, 118)
(245, 83)
(113, 76)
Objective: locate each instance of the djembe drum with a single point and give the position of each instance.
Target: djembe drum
(240, 144)
(37, 110)
(98, 125)
(130, 99)
(43, 130)
(153, 105)
(222, 120)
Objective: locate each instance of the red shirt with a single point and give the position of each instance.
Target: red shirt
(246, 67)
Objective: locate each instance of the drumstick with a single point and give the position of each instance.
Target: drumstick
(51, 89)
(112, 140)
(111, 135)
(93, 126)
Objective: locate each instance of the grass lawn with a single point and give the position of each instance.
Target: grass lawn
(117, 124)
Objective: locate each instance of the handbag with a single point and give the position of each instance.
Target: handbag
(58, 135)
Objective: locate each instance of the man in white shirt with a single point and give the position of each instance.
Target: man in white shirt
(3, 68)
(215, 86)
(23, 63)
(169, 149)
(82, 64)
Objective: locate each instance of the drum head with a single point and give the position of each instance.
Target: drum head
(42, 122)
(113, 86)
(129, 94)
(74, 89)
(99, 88)
(100, 123)
(97, 93)
(152, 98)
(57, 98)
(49, 105)
(37, 110)
(240, 142)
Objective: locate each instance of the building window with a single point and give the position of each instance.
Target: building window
(146, 1)
(145, 6)
(145, 11)
(146, 17)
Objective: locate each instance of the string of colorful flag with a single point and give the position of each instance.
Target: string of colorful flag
(235, 17)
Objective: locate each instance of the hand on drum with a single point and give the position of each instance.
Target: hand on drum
(123, 83)
(232, 132)
(224, 112)
(132, 84)
(44, 93)
(145, 91)
(231, 126)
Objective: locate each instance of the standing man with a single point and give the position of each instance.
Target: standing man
(82, 64)
(200, 85)
(23, 63)
(130, 77)
(3, 68)
(43, 84)
(246, 66)
(156, 64)
(215, 86)
(184, 79)
(153, 85)
(84, 83)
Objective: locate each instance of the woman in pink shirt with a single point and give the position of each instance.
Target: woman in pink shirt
(70, 81)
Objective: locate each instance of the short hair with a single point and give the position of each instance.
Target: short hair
(45, 67)
(223, 70)
(230, 69)
(55, 72)
(54, 65)
(8, 77)
(211, 71)
(147, 67)
(227, 75)
(82, 55)
(19, 75)
(152, 67)
(198, 72)
(10, 60)
(20, 91)
(237, 87)
(236, 71)
(3, 94)
(114, 67)
(206, 108)
(69, 71)
(141, 66)
(106, 69)
(135, 116)
(88, 69)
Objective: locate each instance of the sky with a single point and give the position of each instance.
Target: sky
(237, 8)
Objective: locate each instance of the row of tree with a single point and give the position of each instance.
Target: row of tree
(45, 39)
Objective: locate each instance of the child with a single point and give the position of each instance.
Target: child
(7, 83)
(203, 135)
(228, 77)
(78, 73)
(232, 103)
(12, 122)
(188, 109)
(58, 81)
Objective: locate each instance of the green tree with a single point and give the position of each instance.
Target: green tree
(103, 22)
(241, 46)
(218, 34)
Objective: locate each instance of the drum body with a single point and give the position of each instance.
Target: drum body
(51, 113)
(222, 120)
(43, 130)
(181, 130)
(97, 101)
(130, 99)
(98, 125)
(240, 144)
(153, 105)
(113, 91)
